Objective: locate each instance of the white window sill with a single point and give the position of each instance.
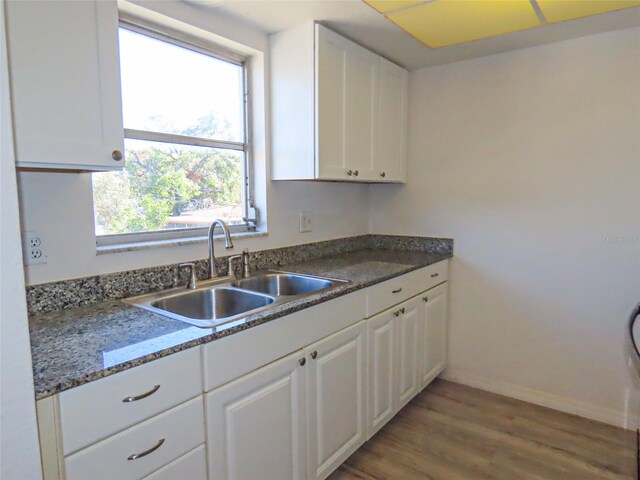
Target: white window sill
(173, 242)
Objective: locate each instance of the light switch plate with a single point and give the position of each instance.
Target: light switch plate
(306, 222)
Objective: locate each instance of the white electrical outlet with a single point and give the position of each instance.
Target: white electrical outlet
(306, 224)
(33, 248)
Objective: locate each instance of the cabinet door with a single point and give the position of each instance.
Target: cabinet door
(256, 424)
(346, 108)
(407, 325)
(331, 59)
(391, 151)
(65, 81)
(336, 402)
(381, 333)
(433, 334)
(361, 87)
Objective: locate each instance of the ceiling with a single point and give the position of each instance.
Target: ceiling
(442, 23)
(366, 26)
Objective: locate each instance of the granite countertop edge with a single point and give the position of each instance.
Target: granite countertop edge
(45, 389)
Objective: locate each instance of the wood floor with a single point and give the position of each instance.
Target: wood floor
(452, 432)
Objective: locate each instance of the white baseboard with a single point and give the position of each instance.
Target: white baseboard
(611, 417)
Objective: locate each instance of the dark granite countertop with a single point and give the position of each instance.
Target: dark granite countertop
(75, 346)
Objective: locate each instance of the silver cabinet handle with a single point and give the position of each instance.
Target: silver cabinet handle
(135, 456)
(355, 172)
(349, 172)
(314, 354)
(434, 275)
(635, 313)
(398, 290)
(116, 155)
(302, 361)
(142, 395)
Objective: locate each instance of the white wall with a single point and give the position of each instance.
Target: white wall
(59, 206)
(531, 161)
(19, 452)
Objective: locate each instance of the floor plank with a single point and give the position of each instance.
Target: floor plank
(454, 432)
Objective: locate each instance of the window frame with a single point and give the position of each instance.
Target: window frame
(205, 47)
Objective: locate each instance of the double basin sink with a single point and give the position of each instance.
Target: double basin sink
(226, 300)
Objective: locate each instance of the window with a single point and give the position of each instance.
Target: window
(186, 155)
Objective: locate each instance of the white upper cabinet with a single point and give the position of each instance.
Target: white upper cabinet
(338, 109)
(65, 83)
(331, 65)
(392, 126)
(360, 112)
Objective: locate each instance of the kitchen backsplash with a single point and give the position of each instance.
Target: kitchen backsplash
(48, 297)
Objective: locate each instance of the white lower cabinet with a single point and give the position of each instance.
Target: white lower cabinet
(256, 424)
(336, 386)
(407, 350)
(381, 333)
(268, 414)
(127, 398)
(408, 315)
(143, 448)
(432, 334)
(299, 417)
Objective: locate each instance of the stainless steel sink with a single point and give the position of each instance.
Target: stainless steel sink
(226, 300)
(206, 307)
(214, 303)
(284, 284)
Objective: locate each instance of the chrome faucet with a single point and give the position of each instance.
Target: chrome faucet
(228, 244)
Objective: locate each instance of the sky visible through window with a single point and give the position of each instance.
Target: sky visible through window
(170, 89)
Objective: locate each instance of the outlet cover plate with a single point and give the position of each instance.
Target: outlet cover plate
(33, 248)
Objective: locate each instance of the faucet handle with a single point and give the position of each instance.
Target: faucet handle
(230, 264)
(245, 263)
(193, 281)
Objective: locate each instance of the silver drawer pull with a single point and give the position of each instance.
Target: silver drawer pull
(135, 456)
(142, 395)
(434, 275)
(398, 290)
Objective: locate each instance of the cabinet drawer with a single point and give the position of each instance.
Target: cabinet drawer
(165, 438)
(389, 293)
(96, 410)
(192, 466)
(435, 274)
